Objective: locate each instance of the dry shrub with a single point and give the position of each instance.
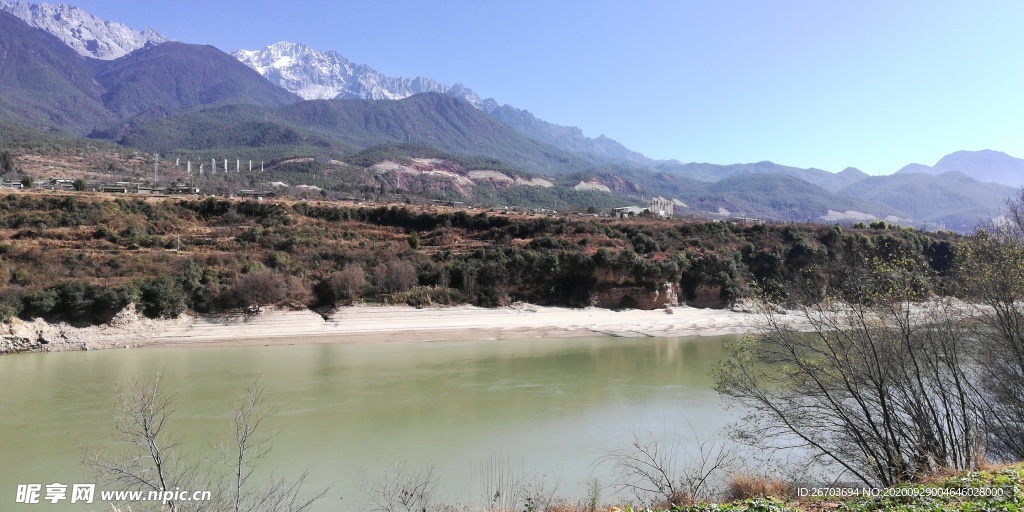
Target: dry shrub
(679, 498)
(267, 287)
(394, 276)
(564, 506)
(348, 283)
(743, 486)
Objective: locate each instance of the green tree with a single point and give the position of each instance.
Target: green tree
(161, 297)
(6, 162)
(27, 181)
(79, 184)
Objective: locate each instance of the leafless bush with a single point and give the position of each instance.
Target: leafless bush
(297, 292)
(991, 273)
(348, 284)
(876, 384)
(153, 460)
(654, 470)
(267, 287)
(394, 276)
(538, 496)
(260, 288)
(402, 489)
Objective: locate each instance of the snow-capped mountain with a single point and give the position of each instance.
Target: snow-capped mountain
(313, 74)
(305, 71)
(83, 32)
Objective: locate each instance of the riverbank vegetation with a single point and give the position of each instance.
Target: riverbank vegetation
(81, 258)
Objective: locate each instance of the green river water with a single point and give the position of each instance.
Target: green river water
(549, 408)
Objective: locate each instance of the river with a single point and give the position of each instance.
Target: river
(546, 408)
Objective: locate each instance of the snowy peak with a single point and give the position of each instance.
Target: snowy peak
(83, 32)
(313, 74)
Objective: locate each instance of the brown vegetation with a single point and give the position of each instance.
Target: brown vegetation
(742, 486)
(209, 255)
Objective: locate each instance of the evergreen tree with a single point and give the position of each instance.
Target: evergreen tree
(6, 162)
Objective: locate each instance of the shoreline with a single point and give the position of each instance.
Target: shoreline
(372, 324)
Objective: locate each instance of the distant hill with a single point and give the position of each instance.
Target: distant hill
(568, 138)
(44, 84)
(436, 120)
(986, 165)
(952, 199)
(178, 76)
(781, 196)
(714, 172)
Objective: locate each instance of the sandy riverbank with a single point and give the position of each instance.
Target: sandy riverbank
(376, 324)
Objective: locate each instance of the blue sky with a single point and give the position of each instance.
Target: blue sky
(818, 83)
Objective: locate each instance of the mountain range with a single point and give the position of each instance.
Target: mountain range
(63, 70)
(88, 35)
(314, 74)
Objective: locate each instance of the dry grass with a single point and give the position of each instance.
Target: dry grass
(743, 486)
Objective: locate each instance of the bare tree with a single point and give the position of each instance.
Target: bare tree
(873, 381)
(152, 459)
(656, 471)
(402, 489)
(991, 275)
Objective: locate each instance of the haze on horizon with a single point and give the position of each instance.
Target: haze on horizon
(870, 84)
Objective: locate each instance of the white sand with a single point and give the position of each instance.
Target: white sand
(386, 323)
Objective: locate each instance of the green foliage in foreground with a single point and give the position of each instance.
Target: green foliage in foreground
(1001, 489)
(974, 491)
(751, 505)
